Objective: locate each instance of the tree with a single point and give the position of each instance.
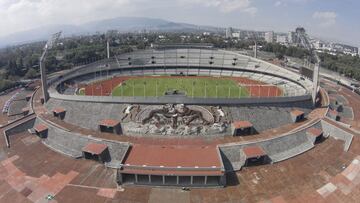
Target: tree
(280, 56)
(12, 68)
(31, 73)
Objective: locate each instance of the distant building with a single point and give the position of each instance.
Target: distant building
(335, 48)
(269, 37)
(282, 39)
(291, 37)
(318, 45)
(228, 32)
(236, 35)
(206, 34)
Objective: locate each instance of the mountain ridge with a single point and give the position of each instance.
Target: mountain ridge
(122, 24)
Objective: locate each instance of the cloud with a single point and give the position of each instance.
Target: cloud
(278, 3)
(18, 15)
(325, 18)
(225, 6)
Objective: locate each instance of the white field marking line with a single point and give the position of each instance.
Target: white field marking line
(118, 189)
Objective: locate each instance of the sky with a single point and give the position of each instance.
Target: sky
(329, 19)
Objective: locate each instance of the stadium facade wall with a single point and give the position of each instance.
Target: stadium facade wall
(179, 100)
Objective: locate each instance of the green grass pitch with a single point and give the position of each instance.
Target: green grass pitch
(192, 86)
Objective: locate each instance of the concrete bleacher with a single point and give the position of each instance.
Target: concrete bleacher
(341, 99)
(71, 144)
(278, 149)
(261, 117)
(87, 115)
(338, 104)
(347, 112)
(338, 132)
(186, 59)
(267, 117)
(18, 103)
(284, 148)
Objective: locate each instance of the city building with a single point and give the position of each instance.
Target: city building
(228, 32)
(269, 37)
(236, 35)
(282, 39)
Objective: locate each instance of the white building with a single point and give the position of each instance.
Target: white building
(228, 32)
(318, 45)
(291, 37)
(282, 39)
(269, 37)
(206, 33)
(236, 35)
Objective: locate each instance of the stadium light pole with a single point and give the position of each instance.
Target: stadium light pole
(316, 80)
(255, 49)
(250, 95)
(48, 46)
(133, 88)
(156, 90)
(216, 90)
(306, 42)
(121, 89)
(255, 42)
(108, 49)
(205, 90)
(144, 89)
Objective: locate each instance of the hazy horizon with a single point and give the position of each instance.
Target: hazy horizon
(330, 19)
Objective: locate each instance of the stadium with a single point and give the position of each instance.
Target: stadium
(187, 116)
(163, 92)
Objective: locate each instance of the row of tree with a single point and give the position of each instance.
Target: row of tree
(281, 50)
(346, 65)
(23, 61)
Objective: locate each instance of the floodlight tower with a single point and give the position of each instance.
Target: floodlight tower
(306, 43)
(254, 38)
(108, 49)
(49, 45)
(316, 74)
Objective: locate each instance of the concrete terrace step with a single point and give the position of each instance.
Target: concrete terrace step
(62, 149)
(282, 156)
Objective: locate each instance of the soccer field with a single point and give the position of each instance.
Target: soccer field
(191, 86)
